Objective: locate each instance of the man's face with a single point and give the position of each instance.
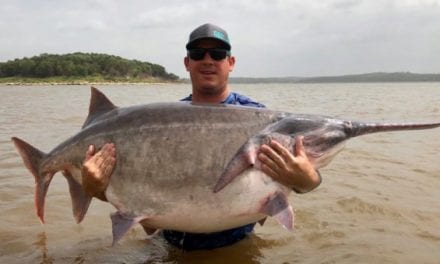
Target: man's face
(209, 76)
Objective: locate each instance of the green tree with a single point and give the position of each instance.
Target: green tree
(82, 64)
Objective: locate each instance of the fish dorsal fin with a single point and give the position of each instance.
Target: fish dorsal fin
(99, 105)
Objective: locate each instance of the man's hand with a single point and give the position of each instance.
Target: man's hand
(97, 169)
(292, 170)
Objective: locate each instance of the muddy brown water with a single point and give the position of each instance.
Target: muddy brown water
(379, 201)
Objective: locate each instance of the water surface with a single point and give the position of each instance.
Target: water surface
(379, 201)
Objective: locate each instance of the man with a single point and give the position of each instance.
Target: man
(209, 62)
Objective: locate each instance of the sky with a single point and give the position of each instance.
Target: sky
(270, 38)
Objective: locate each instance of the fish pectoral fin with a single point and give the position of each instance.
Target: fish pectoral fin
(277, 206)
(286, 218)
(121, 224)
(243, 159)
(80, 199)
(246, 156)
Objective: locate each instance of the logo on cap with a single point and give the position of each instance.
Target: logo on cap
(218, 34)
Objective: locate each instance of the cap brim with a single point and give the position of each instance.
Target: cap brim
(194, 42)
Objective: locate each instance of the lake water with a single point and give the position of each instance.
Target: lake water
(379, 201)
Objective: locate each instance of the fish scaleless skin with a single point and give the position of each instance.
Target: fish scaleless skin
(189, 167)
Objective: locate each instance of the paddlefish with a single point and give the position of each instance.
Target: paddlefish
(189, 167)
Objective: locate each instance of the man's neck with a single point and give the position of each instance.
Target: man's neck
(210, 98)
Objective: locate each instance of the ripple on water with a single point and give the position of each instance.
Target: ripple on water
(429, 236)
(355, 205)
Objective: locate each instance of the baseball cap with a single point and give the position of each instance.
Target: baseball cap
(208, 31)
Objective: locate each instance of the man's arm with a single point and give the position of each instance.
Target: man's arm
(293, 170)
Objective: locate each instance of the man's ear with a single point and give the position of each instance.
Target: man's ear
(186, 62)
(231, 60)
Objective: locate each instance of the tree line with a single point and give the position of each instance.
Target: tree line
(82, 64)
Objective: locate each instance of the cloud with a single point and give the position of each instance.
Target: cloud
(269, 38)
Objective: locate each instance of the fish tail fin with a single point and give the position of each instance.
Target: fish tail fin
(358, 128)
(32, 158)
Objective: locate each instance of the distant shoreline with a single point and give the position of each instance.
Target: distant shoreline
(79, 81)
(379, 77)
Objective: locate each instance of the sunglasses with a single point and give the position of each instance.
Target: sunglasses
(215, 54)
